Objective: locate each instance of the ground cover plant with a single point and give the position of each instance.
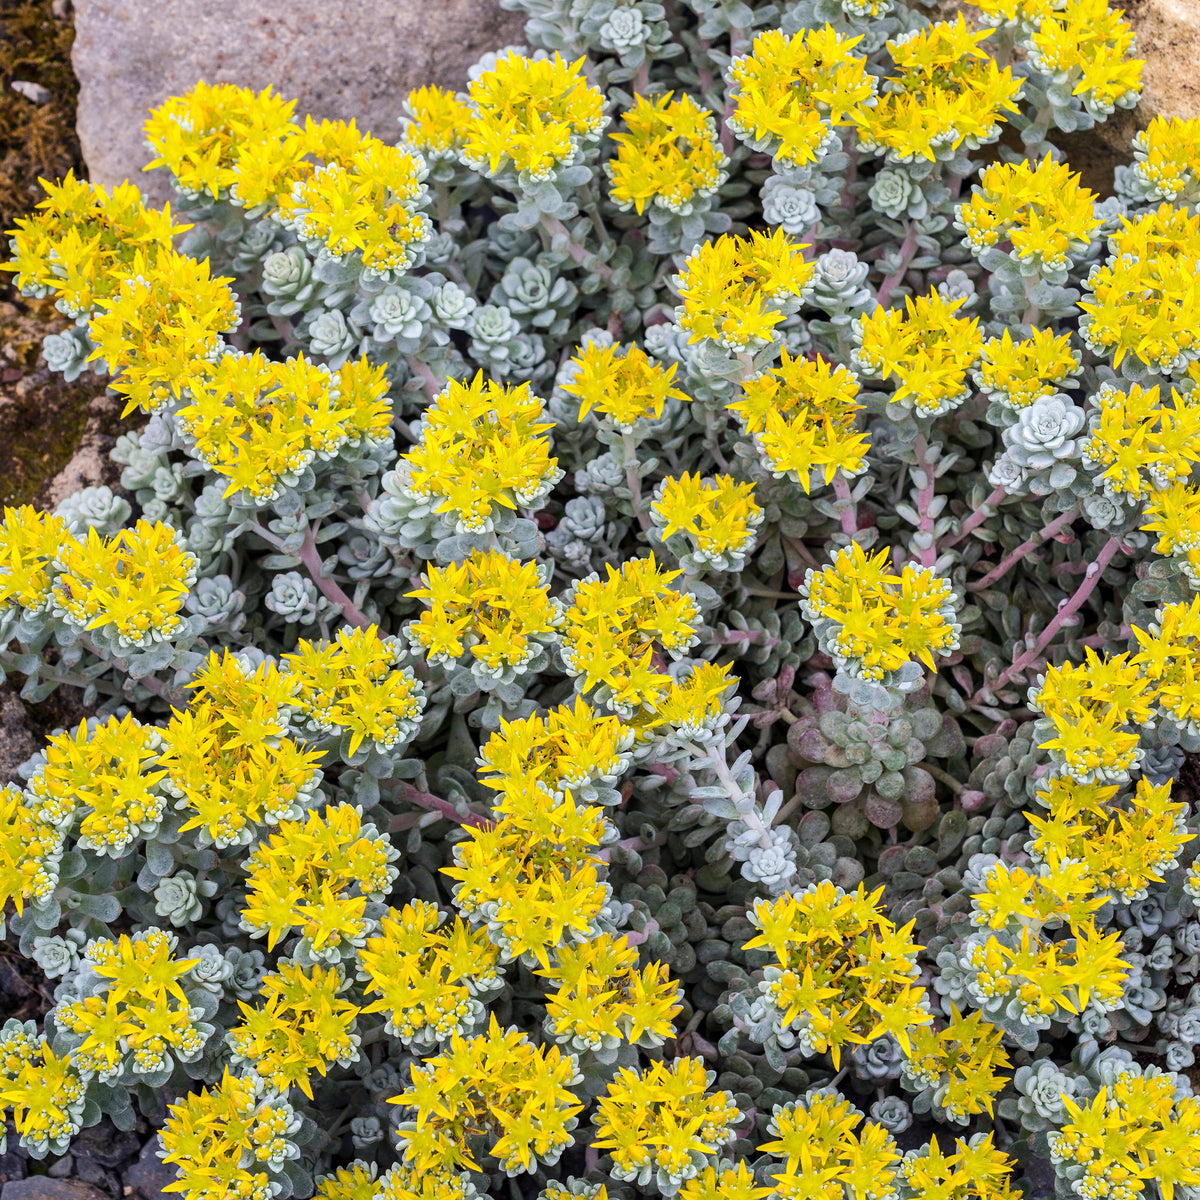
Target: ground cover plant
(649, 639)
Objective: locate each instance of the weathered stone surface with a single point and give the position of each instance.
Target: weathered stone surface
(18, 739)
(90, 464)
(1168, 39)
(149, 1175)
(353, 59)
(44, 1187)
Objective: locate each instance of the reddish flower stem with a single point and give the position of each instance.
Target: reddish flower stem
(555, 228)
(849, 518)
(310, 556)
(1067, 610)
(977, 518)
(929, 553)
(432, 803)
(1011, 560)
(908, 251)
(424, 372)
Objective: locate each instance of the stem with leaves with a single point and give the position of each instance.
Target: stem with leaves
(1065, 612)
(908, 251)
(1011, 560)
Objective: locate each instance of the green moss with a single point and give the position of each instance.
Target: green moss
(42, 419)
(36, 140)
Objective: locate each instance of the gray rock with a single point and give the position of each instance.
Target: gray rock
(13, 1164)
(356, 58)
(105, 1145)
(149, 1175)
(32, 91)
(18, 739)
(43, 1187)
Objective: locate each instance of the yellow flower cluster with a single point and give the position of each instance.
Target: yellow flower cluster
(259, 423)
(1125, 847)
(802, 416)
(872, 622)
(622, 384)
(712, 1183)
(160, 332)
(427, 976)
(403, 1182)
(534, 115)
(355, 1182)
(301, 1025)
(105, 775)
(256, 702)
(488, 608)
(958, 1064)
(816, 1139)
(601, 999)
(1174, 514)
(668, 156)
(736, 290)
(363, 198)
(612, 629)
(532, 877)
(789, 93)
(1144, 300)
(316, 876)
(1134, 1130)
(1084, 46)
(663, 1123)
(1019, 967)
(946, 92)
(1094, 710)
(1168, 656)
(227, 760)
(1139, 445)
(499, 1085)
(564, 751)
(1165, 158)
(341, 191)
(131, 585)
(976, 1171)
(30, 850)
(82, 239)
(692, 707)
(45, 1091)
(1026, 14)
(142, 1020)
(437, 122)
(482, 449)
(927, 348)
(226, 1141)
(1019, 373)
(224, 142)
(843, 974)
(29, 544)
(1041, 211)
(708, 523)
(354, 689)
